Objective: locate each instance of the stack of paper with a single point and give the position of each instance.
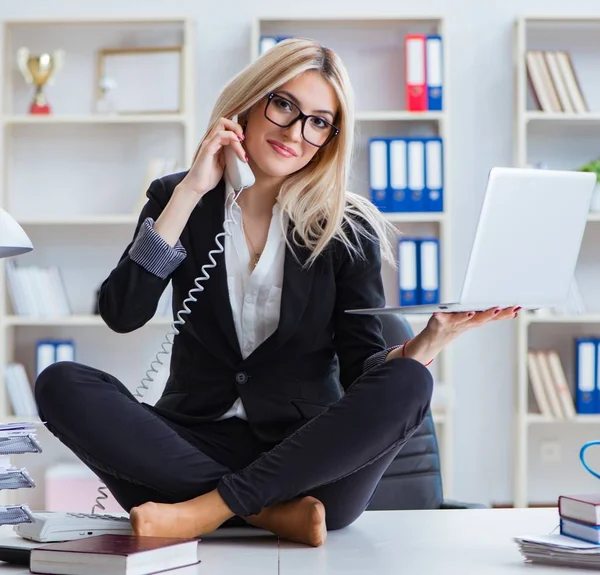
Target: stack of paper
(558, 549)
(16, 438)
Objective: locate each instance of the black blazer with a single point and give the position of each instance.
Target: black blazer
(316, 352)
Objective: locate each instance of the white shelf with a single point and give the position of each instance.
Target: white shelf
(84, 220)
(536, 418)
(70, 320)
(25, 119)
(73, 146)
(351, 19)
(399, 115)
(527, 150)
(408, 217)
(529, 318)
(66, 21)
(537, 116)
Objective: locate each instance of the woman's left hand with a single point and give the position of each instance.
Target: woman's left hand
(444, 327)
(451, 324)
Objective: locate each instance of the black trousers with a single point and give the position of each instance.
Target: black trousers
(337, 457)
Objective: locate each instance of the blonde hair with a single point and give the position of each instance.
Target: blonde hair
(315, 197)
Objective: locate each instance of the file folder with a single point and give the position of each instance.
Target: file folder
(378, 173)
(51, 351)
(415, 57)
(434, 175)
(434, 71)
(586, 368)
(398, 163)
(408, 259)
(416, 175)
(429, 271)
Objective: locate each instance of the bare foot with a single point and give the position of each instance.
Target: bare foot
(300, 520)
(192, 518)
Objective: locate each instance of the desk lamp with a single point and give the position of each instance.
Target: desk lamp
(13, 240)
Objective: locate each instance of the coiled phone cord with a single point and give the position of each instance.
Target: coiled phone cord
(582, 457)
(169, 338)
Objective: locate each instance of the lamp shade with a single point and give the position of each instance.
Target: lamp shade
(13, 240)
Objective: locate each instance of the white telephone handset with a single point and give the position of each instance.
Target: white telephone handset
(238, 173)
(48, 527)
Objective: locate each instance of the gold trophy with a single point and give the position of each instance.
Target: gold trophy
(39, 71)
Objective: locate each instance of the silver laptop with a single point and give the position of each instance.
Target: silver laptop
(526, 243)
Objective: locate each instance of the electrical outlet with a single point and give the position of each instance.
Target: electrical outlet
(550, 452)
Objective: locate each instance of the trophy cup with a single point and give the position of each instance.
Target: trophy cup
(39, 71)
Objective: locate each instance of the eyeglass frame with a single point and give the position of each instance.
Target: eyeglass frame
(301, 116)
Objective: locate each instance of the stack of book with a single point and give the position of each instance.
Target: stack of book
(580, 517)
(16, 438)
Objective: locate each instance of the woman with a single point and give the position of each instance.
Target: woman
(280, 408)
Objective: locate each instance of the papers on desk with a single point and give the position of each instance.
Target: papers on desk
(18, 437)
(558, 549)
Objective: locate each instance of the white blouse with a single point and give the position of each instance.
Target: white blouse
(255, 296)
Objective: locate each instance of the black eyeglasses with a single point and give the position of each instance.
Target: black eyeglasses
(283, 113)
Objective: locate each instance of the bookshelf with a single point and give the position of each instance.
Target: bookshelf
(555, 139)
(74, 179)
(372, 49)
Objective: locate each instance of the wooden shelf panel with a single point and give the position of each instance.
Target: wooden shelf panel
(27, 119)
(398, 115)
(84, 220)
(70, 320)
(416, 217)
(578, 318)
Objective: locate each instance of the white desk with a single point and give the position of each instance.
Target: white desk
(384, 542)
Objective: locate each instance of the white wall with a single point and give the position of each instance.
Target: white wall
(479, 36)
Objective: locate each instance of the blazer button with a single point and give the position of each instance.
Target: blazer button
(241, 377)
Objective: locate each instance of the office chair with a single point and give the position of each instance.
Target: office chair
(413, 480)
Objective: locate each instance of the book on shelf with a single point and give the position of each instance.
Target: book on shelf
(37, 291)
(115, 555)
(19, 390)
(553, 82)
(549, 385)
(16, 438)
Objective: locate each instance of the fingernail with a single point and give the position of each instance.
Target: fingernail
(470, 314)
(247, 158)
(515, 315)
(518, 308)
(242, 138)
(497, 311)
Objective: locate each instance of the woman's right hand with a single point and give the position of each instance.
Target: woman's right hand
(207, 169)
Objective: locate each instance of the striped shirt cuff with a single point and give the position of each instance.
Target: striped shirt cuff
(378, 358)
(153, 253)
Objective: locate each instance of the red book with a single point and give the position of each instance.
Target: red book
(415, 72)
(584, 508)
(114, 555)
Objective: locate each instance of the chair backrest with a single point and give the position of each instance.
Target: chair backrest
(413, 479)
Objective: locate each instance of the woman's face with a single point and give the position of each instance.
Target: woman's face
(275, 151)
